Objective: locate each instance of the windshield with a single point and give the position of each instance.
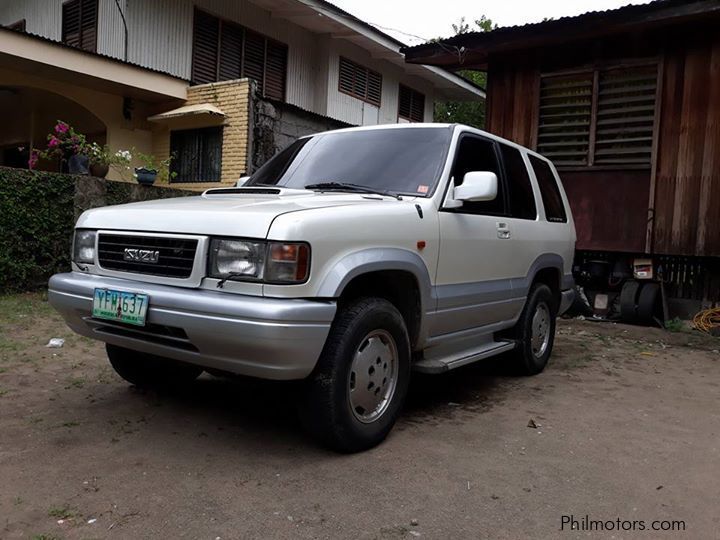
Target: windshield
(406, 161)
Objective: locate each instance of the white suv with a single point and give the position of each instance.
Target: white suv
(350, 259)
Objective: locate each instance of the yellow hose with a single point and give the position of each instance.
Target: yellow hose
(708, 319)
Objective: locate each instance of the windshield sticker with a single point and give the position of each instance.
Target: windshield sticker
(423, 189)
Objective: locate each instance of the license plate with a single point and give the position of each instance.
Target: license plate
(125, 307)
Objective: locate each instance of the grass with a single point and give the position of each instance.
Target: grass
(15, 308)
(675, 325)
(61, 512)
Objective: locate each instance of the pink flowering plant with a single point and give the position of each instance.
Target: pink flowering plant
(63, 142)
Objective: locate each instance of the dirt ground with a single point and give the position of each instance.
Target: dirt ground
(626, 426)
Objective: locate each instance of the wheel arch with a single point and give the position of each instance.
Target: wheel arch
(386, 273)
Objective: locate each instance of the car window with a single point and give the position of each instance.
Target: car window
(552, 200)
(477, 154)
(519, 186)
(406, 161)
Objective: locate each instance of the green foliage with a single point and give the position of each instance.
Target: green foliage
(471, 113)
(36, 224)
(37, 217)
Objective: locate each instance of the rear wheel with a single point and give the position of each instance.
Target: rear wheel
(535, 330)
(150, 371)
(354, 396)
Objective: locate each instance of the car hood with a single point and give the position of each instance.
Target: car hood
(231, 214)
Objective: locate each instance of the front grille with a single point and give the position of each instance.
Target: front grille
(175, 260)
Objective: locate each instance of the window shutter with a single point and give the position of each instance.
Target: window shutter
(71, 23)
(347, 76)
(253, 66)
(565, 113)
(231, 51)
(205, 48)
(276, 70)
(360, 82)
(411, 104)
(88, 25)
(374, 92)
(625, 116)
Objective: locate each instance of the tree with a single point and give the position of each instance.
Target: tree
(471, 113)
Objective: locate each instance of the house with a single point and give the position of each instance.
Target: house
(219, 84)
(626, 103)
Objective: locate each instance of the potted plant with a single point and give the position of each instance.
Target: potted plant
(152, 169)
(102, 158)
(65, 143)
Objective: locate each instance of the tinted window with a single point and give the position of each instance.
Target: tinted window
(406, 161)
(520, 191)
(552, 200)
(476, 154)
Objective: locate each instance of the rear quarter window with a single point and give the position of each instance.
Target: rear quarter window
(549, 190)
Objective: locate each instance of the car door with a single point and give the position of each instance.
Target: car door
(476, 256)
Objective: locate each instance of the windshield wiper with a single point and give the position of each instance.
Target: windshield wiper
(345, 186)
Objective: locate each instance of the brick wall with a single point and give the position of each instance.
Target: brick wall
(231, 97)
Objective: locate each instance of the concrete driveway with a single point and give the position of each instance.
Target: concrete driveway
(621, 431)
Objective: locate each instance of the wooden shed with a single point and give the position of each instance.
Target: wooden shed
(627, 104)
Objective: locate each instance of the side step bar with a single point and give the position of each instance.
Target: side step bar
(435, 366)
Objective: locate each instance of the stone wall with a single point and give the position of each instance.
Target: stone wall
(277, 125)
(93, 192)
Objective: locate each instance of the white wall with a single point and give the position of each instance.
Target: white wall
(160, 37)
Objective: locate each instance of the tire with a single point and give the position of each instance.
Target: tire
(150, 371)
(367, 348)
(648, 303)
(535, 331)
(628, 302)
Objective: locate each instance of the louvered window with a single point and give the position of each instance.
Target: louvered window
(79, 24)
(224, 51)
(625, 116)
(360, 82)
(411, 105)
(602, 117)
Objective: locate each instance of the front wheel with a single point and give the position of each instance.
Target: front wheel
(535, 330)
(354, 396)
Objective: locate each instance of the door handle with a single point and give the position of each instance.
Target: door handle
(503, 232)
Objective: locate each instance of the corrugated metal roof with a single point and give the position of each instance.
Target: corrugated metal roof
(630, 10)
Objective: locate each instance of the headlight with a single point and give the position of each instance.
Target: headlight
(287, 262)
(84, 247)
(236, 258)
(273, 262)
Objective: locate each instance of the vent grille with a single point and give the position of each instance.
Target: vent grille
(176, 255)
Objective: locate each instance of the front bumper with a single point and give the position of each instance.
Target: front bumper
(260, 337)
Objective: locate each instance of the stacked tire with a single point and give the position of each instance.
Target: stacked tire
(640, 302)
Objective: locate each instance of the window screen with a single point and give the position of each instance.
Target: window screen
(197, 154)
(552, 200)
(520, 191)
(476, 154)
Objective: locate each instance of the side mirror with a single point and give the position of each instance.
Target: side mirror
(243, 180)
(477, 186)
